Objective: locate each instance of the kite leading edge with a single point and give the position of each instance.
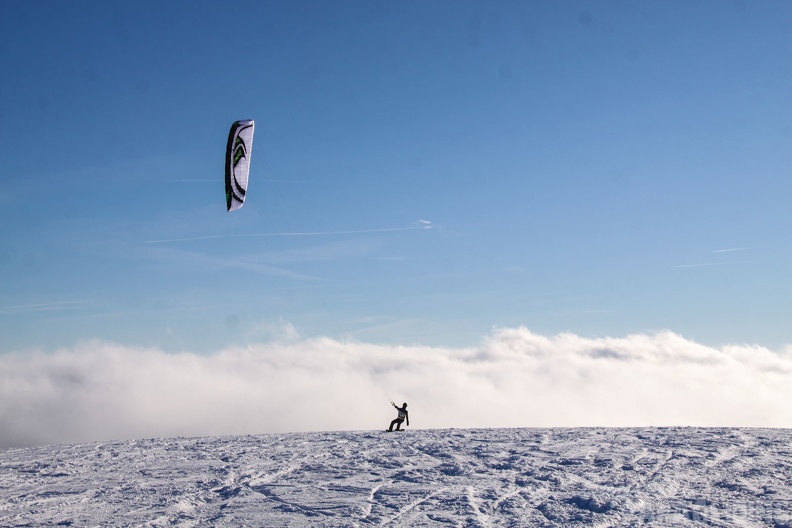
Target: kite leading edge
(237, 163)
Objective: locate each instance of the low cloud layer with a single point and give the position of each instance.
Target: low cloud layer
(99, 390)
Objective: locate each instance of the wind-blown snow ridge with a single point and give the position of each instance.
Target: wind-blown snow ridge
(486, 477)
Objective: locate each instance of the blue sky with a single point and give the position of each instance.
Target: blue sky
(421, 172)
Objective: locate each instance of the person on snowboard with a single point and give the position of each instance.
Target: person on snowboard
(402, 416)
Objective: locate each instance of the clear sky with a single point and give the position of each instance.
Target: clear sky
(422, 172)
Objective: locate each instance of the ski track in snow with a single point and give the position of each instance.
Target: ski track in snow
(461, 478)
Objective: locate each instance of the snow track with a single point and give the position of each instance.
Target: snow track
(480, 478)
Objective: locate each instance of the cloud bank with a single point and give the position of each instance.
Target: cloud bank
(515, 378)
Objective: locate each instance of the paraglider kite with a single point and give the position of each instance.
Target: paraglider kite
(237, 163)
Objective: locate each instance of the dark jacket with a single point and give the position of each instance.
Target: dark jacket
(403, 413)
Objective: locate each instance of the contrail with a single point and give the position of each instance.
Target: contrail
(42, 307)
(289, 234)
(214, 180)
(704, 265)
(730, 250)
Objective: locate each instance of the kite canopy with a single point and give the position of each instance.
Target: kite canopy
(237, 163)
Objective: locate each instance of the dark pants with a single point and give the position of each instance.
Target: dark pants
(397, 422)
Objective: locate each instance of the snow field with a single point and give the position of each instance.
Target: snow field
(483, 478)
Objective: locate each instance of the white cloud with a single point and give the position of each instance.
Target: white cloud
(516, 378)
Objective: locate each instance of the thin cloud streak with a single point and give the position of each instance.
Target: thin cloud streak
(515, 378)
(43, 307)
(289, 234)
(704, 265)
(179, 258)
(730, 250)
(214, 180)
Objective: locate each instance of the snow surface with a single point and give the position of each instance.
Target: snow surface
(485, 477)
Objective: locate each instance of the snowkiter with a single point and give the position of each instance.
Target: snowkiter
(402, 416)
